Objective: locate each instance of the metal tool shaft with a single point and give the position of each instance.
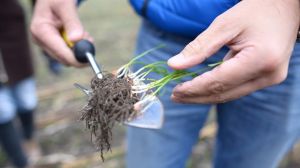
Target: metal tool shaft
(94, 65)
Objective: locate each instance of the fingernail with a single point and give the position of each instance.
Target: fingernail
(182, 86)
(178, 87)
(74, 35)
(174, 98)
(176, 60)
(177, 92)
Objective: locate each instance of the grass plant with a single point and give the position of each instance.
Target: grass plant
(142, 84)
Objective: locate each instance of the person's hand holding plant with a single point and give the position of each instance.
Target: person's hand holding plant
(260, 35)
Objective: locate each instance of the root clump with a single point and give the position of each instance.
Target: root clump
(111, 102)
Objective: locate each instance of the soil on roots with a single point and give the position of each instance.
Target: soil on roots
(111, 101)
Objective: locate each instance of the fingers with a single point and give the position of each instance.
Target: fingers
(50, 17)
(232, 94)
(88, 37)
(206, 44)
(236, 77)
(67, 12)
(52, 42)
(229, 55)
(232, 73)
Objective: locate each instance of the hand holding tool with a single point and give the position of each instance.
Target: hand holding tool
(151, 113)
(84, 52)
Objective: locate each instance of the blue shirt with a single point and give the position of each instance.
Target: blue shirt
(184, 17)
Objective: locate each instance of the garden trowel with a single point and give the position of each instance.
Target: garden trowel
(150, 112)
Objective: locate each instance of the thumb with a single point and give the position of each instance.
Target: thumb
(67, 12)
(218, 34)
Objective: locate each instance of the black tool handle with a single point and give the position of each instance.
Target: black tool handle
(82, 47)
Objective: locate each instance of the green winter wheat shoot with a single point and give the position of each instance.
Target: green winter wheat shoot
(148, 87)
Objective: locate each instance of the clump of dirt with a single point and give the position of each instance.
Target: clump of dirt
(111, 102)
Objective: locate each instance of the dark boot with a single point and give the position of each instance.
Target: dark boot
(27, 123)
(11, 144)
(30, 144)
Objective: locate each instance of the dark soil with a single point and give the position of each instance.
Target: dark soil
(111, 101)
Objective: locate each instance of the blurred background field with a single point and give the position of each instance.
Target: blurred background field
(63, 139)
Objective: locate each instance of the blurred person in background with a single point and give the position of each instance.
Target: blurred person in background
(17, 86)
(256, 89)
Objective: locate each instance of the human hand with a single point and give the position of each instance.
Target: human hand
(50, 17)
(260, 35)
